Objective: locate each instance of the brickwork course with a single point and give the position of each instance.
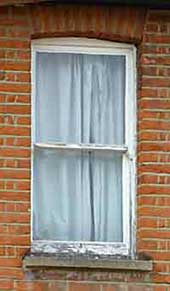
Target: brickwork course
(149, 30)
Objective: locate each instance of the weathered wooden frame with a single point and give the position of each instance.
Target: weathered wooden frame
(93, 46)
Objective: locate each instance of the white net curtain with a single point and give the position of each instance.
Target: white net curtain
(78, 194)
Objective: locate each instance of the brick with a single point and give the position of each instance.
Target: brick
(158, 189)
(14, 87)
(19, 34)
(21, 251)
(156, 60)
(154, 49)
(14, 174)
(153, 38)
(153, 211)
(153, 234)
(83, 287)
(10, 141)
(11, 43)
(23, 55)
(23, 99)
(15, 152)
(136, 287)
(15, 66)
(109, 288)
(24, 120)
(10, 54)
(25, 142)
(160, 278)
(15, 109)
(16, 207)
(159, 201)
(23, 77)
(10, 263)
(155, 82)
(55, 286)
(18, 230)
(6, 284)
(24, 164)
(31, 286)
(3, 252)
(13, 218)
(151, 27)
(10, 163)
(147, 245)
(149, 222)
(115, 287)
(14, 240)
(154, 169)
(155, 104)
(22, 185)
(10, 251)
(12, 273)
(154, 146)
(160, 288)
(152, 92)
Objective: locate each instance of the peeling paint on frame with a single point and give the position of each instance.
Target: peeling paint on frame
(128, 246)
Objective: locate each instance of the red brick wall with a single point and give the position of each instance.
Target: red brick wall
(153, 144)
(150, 30)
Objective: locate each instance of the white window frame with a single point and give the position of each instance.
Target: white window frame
(94, 46)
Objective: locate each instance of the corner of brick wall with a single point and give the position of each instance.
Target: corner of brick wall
(153, 197)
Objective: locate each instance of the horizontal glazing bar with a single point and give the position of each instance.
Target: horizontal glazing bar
(89, 147)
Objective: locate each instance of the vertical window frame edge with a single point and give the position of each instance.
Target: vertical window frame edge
(128, 246)
(129, 169)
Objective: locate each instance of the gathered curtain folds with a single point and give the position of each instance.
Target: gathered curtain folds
(78, 194)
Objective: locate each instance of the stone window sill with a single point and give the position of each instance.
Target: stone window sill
(42, 261)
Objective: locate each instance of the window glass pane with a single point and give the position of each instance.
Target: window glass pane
(80, 98)
(77, 196)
